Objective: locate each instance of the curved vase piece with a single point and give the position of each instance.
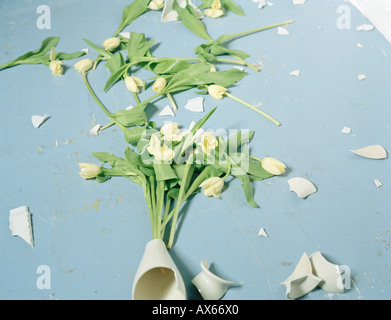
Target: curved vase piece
(329, 273)
(371, 152)
(301, 186)
(301, 281)
(157, 277)
(210, 286)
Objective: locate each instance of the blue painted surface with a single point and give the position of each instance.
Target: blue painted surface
(92, 235)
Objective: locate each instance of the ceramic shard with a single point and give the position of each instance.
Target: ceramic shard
(301, 186)
(262, 233)
(20, 224)
(86, 50)
(378, 183)
(371, 152)
(125, 34)
(346, 130)
(365, 27)
(329, 273)
(95, 130)
(170, 15)
(38, 120)
(195, 105)
(282, 31)
(361, 77)
(167, 111)
(295, 73)
(298, 1)
(301, 281)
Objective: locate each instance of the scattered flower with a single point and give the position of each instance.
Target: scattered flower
(111, 44)
(164, 153)
(208, 142)
(213, 187)
(56, 67)
(156, 4)
(273, 166)
(89, 170)
(83, 65)
(134, 83)
(169, 129)
(159, 84)
(216, 91)
(215, 10)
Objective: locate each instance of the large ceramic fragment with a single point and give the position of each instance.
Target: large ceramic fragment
(302, 280)
(209, 285)
(328, 272)
(20, 224)
(301, 186)
(371, 152)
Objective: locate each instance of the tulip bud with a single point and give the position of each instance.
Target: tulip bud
(56, 67)
(89, 171)
(213, 186)
(111, 43)
(216, 91)
(133, 83)
(216, 4)
(208, 142)
(159, 84)
(156, 4)
(169, 129)
(214, 13)
(83, 65)
(273, 166)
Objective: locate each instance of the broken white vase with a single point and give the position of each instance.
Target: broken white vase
(329, 273)
(301, 281)
(371, 152)
(20, 224)
(209, 285)
(170, 15)
(301, 186)
(157, 277)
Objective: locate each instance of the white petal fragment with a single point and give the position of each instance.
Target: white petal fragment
(301, 186)
(371, 152)
(167, 111)
(361, 77)
(346, 130)
(298, 1)
(95, 130)
(38, 120)
(262, 233)
(85, 50)
(20, 224)
(282, 31)
(125, 34)
(378, 183)
(295, 73)
(365, 27)
(195, 105)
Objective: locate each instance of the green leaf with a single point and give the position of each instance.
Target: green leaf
(115, 62)
(108, 157)
(248, 191)
(232, 6)
(223, 78)
(100, 50)
(115, 76)
(168, 66)
(164, 171)
(219, 50)
(191, 21)
(257, 172)
(238, 139)
(138, 46)
(135, 135)
(133, 157)
(130, 118)
(69, 56)
(131, 12)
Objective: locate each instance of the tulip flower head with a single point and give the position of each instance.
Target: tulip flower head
(213, 187)
(215, 10)
(111, 44)
(159, 84)
(273, 166)
(133, 84)
(208, 142)
(216, 91)
(156, 4)
(56, 67)
(83, 65)
(89, 171)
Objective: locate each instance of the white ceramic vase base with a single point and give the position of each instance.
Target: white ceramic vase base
(157, 277)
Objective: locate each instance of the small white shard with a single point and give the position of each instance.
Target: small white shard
(301, 186)
(365, 27)
(295, 73)
(371, 152)
(346, 130)
(298, 1)
(170, 15)
(378, 183)
(125, 34)
(129, 108)
(95, 130)
(195, 105)
(261, 3)
(38, 120)
(167, 111)
(361, 77)
(240, 68)
(359, 45)
(281, 31)
(20, 224)
(262, 233)
(85, 50)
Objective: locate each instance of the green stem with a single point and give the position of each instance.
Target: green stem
(159, 208)
(179, 202)
(253, 108)
(169, 96)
